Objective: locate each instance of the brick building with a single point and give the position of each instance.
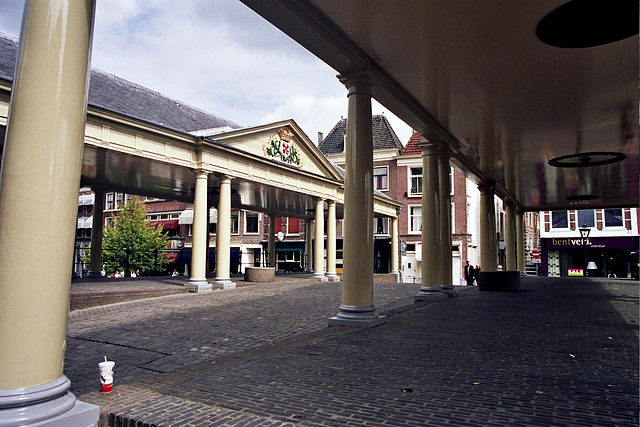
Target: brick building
(398, 175)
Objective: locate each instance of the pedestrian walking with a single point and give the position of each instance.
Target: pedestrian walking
(469, 274)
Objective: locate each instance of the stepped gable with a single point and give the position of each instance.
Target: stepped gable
(120, 96)
(384, 137)
(412, 147)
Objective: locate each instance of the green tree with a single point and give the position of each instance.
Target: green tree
(131, 243)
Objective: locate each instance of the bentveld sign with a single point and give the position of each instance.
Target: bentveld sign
(591, 243)
(570, 242)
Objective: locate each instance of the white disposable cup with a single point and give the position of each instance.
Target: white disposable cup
(106, 376)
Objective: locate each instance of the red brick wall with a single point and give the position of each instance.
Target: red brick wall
(460, 201)
(165, 206)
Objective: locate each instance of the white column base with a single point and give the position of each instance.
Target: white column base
(359, 316)
(397, 274)
(320, 276)
(50, 405)
(429, 294)
(198, 285)
(333, 277)
(225, 283)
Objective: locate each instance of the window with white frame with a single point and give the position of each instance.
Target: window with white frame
(110, 202)
(586, 218)
(251, 221)
(119, 200)
(451, 180)
(415, 219)
(234, 222)
(613, 218)
(381, 177)
(293, 226)
(415, 181)
(559, 219)
(381, 225)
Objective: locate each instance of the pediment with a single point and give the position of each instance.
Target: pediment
(282, 143)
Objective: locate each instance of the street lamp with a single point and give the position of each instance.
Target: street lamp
(584, 233)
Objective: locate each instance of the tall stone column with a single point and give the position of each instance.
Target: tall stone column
(271, 239)
(357, 307)
(488, 240)
(510, 235)
(431, 253)
(308, 243)
(40, 175)
(223, 236)
(395, 249)
(331, 242)
(97, 228)
(520, 242)
(444, 201)
(318, 247)
(198, 281)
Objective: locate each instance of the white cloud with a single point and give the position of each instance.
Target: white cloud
(216, 55)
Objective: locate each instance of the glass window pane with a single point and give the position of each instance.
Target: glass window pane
(416, 218)
(234, 222)
(586, 218)
(251, 222)
(380, 178)
(613, 217)
(559, 219)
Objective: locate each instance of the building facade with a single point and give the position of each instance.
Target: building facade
(397, 174)
(611, 249)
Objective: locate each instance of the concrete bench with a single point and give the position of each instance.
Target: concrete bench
(259, 274)
(499, 281)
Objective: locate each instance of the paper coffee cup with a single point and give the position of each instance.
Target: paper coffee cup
(106, 375)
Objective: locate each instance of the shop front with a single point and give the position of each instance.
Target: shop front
(615, 257)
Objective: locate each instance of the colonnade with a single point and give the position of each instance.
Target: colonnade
(47, 116)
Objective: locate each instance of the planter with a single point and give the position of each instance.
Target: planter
(259, 274)
(499, 281)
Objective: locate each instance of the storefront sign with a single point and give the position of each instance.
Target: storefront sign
(592, 243)
(574, 272)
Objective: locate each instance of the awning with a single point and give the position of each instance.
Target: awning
(167, 224)
(186, 216)
(85, 222)
(86, 199)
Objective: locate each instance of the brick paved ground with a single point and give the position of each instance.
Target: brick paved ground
(561, 352)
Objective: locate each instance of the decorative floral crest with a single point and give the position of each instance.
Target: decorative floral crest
(281, 147)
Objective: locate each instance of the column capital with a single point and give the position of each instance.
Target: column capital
(223, 176)
(487, 187)
(427, 145)
(361, 79)
(201, 172)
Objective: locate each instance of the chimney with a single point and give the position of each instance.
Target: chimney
(320, 138)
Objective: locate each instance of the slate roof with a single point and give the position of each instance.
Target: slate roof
(121, 96)
(384, 136)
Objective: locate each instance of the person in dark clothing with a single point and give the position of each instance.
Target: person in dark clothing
(469, 274)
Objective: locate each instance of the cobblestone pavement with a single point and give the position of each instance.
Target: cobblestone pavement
(560, 352)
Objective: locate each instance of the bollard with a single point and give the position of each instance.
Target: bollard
(106, 375)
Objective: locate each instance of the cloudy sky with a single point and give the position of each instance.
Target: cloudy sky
(217, 55)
